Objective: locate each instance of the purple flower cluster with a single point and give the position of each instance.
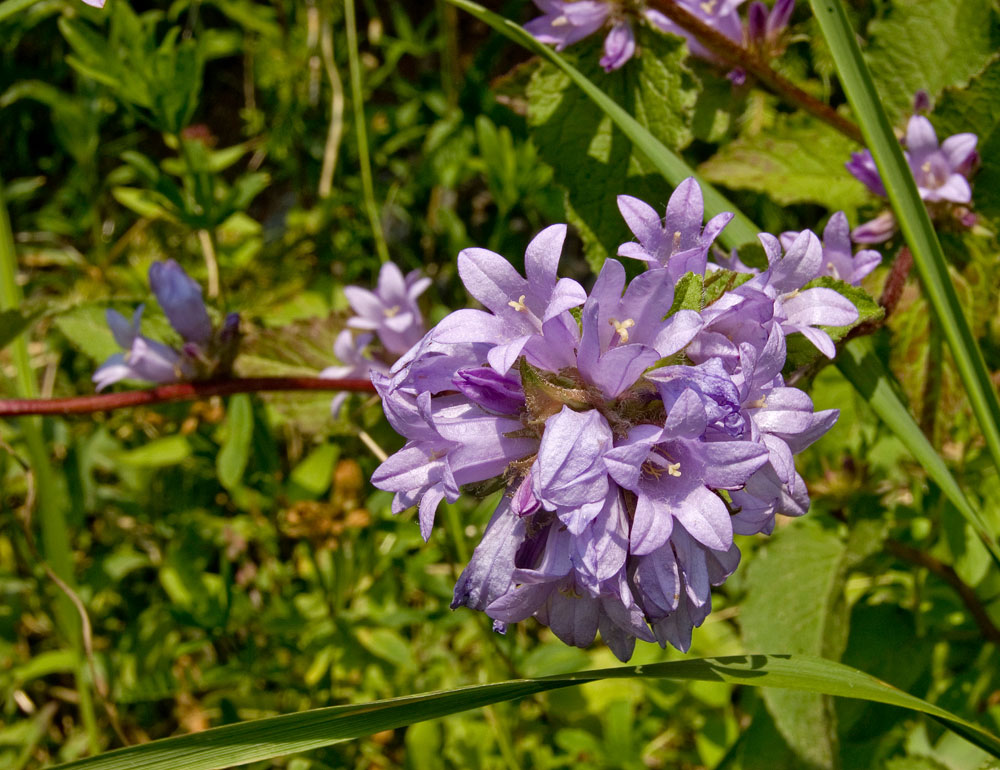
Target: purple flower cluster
(941, 172)
(204, 352)
(632, 442)
(565, 22)
(390, 313)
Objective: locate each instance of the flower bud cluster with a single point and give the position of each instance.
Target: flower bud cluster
(632, 439)
(204, 352)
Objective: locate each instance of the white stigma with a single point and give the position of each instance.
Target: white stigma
(519, 305)
(391, 311)
(677, 242)
(674, 469)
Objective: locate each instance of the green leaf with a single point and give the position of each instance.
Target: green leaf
(169, 450)
(232, 459)
(593, 161)
(795, 602)
(976, 109)
(313, 476)
(739, 231)
(689, 293)
(929, 45)
(87, 328)
(263, 739)
(912, 216)
(861, 365)
(798, 160)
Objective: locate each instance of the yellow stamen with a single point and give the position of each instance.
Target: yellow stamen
(389, 312)
(621, 329)
(677, 241)
(519, 305)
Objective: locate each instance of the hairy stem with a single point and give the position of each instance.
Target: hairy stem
(949, 576)
(736, 55)
(181, 391)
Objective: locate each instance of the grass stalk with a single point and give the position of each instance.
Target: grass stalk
(914, 221)
(361, 128)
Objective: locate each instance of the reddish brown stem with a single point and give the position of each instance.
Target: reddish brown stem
(183, 391)
(736, 55)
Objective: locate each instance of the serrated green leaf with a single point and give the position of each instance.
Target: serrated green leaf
(719, 282)
(262, 739)
(929, 45)
(234, 454)
(593, 161)
(795, 602)
(798, 160)
(689, 293)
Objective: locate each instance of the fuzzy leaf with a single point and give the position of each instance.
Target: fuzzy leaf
(795, 602)
(955, 39)
(799, 160)
(592, 159)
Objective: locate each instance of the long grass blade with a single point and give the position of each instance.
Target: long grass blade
(263, 739)
(913, 218)
(673, 168)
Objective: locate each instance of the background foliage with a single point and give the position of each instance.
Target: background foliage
(232, 558)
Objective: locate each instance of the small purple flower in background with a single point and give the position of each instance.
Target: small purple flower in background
(941, 171)
(626, 473)
(391, 310)
(721, 15)
(392, 313)
(205, 351)
(839, 260)
(94, 3)
(569, 21)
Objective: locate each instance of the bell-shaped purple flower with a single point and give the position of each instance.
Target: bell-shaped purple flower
(839, 260)
(722, 15)
(391, 310)
(678, 242)
(565, 22)
(205, 352)
(180, 297)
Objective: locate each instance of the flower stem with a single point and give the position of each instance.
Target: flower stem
(182, 391)
(736, 55)
(358, 104)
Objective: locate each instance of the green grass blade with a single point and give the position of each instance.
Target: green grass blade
(740, 231)
(860, 364)
(10, 8)
(913, 218)
(263, 739)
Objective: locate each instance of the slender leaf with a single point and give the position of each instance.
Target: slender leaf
(13, 7)
(860, 364)
(232, 459)
(262, 739)
(912, 216)
(741, 230)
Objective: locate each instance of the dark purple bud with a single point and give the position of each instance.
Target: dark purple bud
(180, 298)
(921, 102)
(498, 393)
(780, 16)
(968, 166)
(965, 217)
(756, 22)
(737, 77)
